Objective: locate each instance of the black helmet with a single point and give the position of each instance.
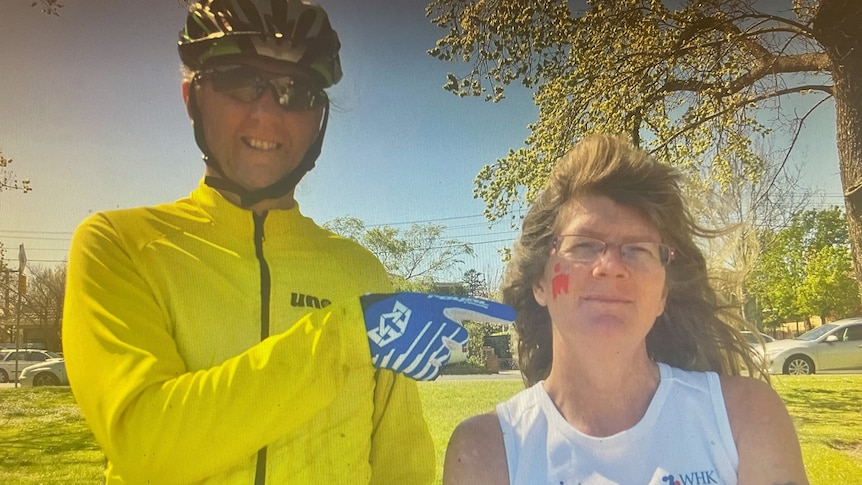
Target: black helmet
(292, 31)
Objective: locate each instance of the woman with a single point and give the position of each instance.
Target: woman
(633, 369)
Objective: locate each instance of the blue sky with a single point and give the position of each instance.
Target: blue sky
(91, 112)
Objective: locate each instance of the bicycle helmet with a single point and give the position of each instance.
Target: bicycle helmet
(236, 31)
(293, 31)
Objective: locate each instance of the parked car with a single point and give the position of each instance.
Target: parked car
(751, 337)
(835, 346)
(49, 373)
(25, 358)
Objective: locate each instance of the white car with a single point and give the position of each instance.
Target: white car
(831, 347)
(752, 340)
(24, 358)
(49, 373)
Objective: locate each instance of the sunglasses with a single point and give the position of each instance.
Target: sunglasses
(247, 84)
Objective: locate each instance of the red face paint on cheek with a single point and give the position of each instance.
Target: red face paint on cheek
(560, 282)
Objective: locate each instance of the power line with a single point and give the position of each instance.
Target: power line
(35, 232)
(34, 238)
(444, 219)
(37, 235)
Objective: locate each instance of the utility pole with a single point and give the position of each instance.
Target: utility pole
(22, 288)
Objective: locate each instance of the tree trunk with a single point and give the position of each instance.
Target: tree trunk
(838, 27)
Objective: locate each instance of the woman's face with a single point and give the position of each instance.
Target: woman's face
(615, 298)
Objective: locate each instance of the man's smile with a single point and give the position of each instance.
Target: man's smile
(261, 144)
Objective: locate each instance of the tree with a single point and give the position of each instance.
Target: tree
(743, 211)
(828, 289)
(805, 269)
(694, 81)
(50, 7)
(41, 308)
(475, 284)
(415, 258)
(43, 303)
(478, 286)
(8, 181)
(777, 275)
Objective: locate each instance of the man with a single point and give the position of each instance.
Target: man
(226, 338)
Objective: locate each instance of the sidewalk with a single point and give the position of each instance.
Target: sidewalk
(503, 374)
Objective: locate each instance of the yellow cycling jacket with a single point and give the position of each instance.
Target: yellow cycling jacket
(196, 334)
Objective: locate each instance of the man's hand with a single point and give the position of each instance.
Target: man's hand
(414, 333)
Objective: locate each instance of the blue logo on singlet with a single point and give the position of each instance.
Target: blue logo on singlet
(694, 478)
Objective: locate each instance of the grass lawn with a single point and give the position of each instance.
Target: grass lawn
(43, 439)
(827, 410)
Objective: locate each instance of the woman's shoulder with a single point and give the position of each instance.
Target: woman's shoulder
(476, 453)
(481, 424)
(746, 391)
(763, 430)
(752, 404)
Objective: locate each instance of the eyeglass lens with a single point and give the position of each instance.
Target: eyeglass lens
(247, 84)
(585, 249)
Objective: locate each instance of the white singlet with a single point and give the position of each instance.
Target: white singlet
(684, 438)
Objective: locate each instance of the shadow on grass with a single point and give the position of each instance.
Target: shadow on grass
(839, 401)
(826, 409)
(51, 441)
(43, 429)
(853, 448)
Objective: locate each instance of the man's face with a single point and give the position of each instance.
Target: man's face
(255, 142)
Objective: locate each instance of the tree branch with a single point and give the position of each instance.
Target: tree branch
(735, 106)
(793, 140)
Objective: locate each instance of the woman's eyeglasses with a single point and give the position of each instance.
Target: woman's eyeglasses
(637, 255)
(247, 84)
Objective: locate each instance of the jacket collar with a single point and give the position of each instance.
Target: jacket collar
(233, 218)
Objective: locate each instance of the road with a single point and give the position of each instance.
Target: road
(504, 374)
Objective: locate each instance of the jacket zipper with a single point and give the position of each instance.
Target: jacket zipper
(264, 275)
(265, 287)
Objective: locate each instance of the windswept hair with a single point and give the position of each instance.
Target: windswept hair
(695, 332)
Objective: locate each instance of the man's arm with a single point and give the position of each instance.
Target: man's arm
(402, 450)
(152, 416)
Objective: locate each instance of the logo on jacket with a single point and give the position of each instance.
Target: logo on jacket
(695, 478)
(300, 300)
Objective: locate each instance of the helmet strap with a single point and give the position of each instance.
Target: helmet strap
(279, 188)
